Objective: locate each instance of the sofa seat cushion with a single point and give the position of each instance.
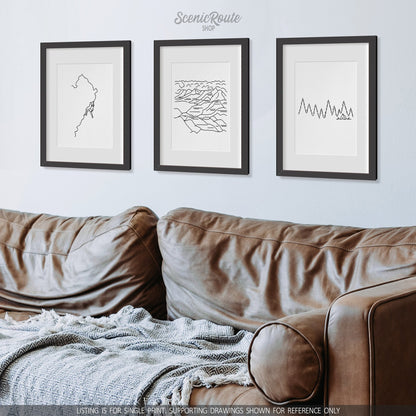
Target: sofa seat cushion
(286, 358)
(16, 316)
(87, 266)
(228, 395)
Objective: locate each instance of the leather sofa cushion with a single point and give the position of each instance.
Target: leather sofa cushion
(244, 272)
(89, 266)
(16, 316)
(227, 395)
(286, 358)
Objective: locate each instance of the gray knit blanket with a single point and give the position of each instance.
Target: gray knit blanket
(126, 358)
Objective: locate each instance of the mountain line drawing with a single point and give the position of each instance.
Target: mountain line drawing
(89, 109)
(203, 105)
(342, 113)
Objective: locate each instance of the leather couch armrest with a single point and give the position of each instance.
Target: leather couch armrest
(370, 340)
(286, 358)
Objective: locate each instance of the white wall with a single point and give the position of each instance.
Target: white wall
(26, 186)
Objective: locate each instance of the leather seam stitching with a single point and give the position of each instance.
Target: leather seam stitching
(289, 242)
(71, 250)
(23, 227)
(241, 394)
(32, 252)
(307, 341)
(139, 235)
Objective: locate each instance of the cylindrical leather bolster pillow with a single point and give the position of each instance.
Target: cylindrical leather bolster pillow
(286, 360)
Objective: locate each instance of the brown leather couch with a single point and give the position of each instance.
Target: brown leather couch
(333, 308)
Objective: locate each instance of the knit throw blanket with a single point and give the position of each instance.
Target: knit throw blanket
(126, 358)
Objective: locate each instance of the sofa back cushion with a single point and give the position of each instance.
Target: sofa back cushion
(245, 272)
(89, 266)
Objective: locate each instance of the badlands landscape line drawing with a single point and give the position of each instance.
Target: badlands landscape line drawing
(201, 105)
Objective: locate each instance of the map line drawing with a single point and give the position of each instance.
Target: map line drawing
(342, 113)
(201, 105)
(89, 109)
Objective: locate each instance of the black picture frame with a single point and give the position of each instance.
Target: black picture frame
(281, 170)
(243, 169)
(124, 120)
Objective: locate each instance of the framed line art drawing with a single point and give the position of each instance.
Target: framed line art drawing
(327, 107)
(201, 112)
(86, 104)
